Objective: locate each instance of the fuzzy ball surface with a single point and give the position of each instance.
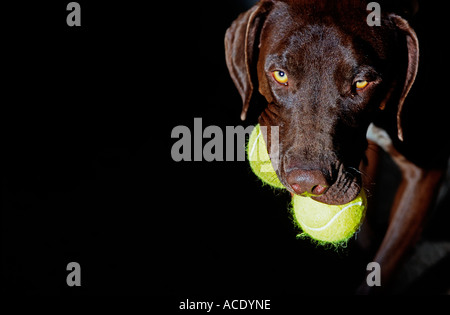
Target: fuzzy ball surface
(259, 159)
(329, 223)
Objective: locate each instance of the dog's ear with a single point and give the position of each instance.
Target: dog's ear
(241, 50)
(412, 44)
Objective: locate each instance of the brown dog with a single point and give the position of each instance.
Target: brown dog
(325, 75)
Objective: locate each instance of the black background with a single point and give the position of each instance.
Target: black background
(89, 176)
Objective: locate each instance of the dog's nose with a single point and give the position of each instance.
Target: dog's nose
(307, 181)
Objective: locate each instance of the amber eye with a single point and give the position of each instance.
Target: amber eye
(361, 84)
(280, 76)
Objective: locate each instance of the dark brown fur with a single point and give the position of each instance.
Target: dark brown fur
(323, 48)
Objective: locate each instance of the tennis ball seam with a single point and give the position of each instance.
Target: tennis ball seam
(321, 235)
(334, 218)
(254, 144)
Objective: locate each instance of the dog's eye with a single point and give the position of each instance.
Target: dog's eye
(281, 77)
(361, 84)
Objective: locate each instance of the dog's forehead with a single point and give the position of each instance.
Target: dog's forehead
(307, 47)
(311, 48)
(292, 25)
(340, 13)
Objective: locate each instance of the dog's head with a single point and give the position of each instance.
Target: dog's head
(325, 74)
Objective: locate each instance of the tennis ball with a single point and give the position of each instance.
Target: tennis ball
(259, 159)
(329, 223)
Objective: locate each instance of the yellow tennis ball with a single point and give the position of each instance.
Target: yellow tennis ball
(259, 159)
(328, 223)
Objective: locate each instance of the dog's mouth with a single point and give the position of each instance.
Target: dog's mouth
(344, 188)
(326, 175)
(341, 192)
